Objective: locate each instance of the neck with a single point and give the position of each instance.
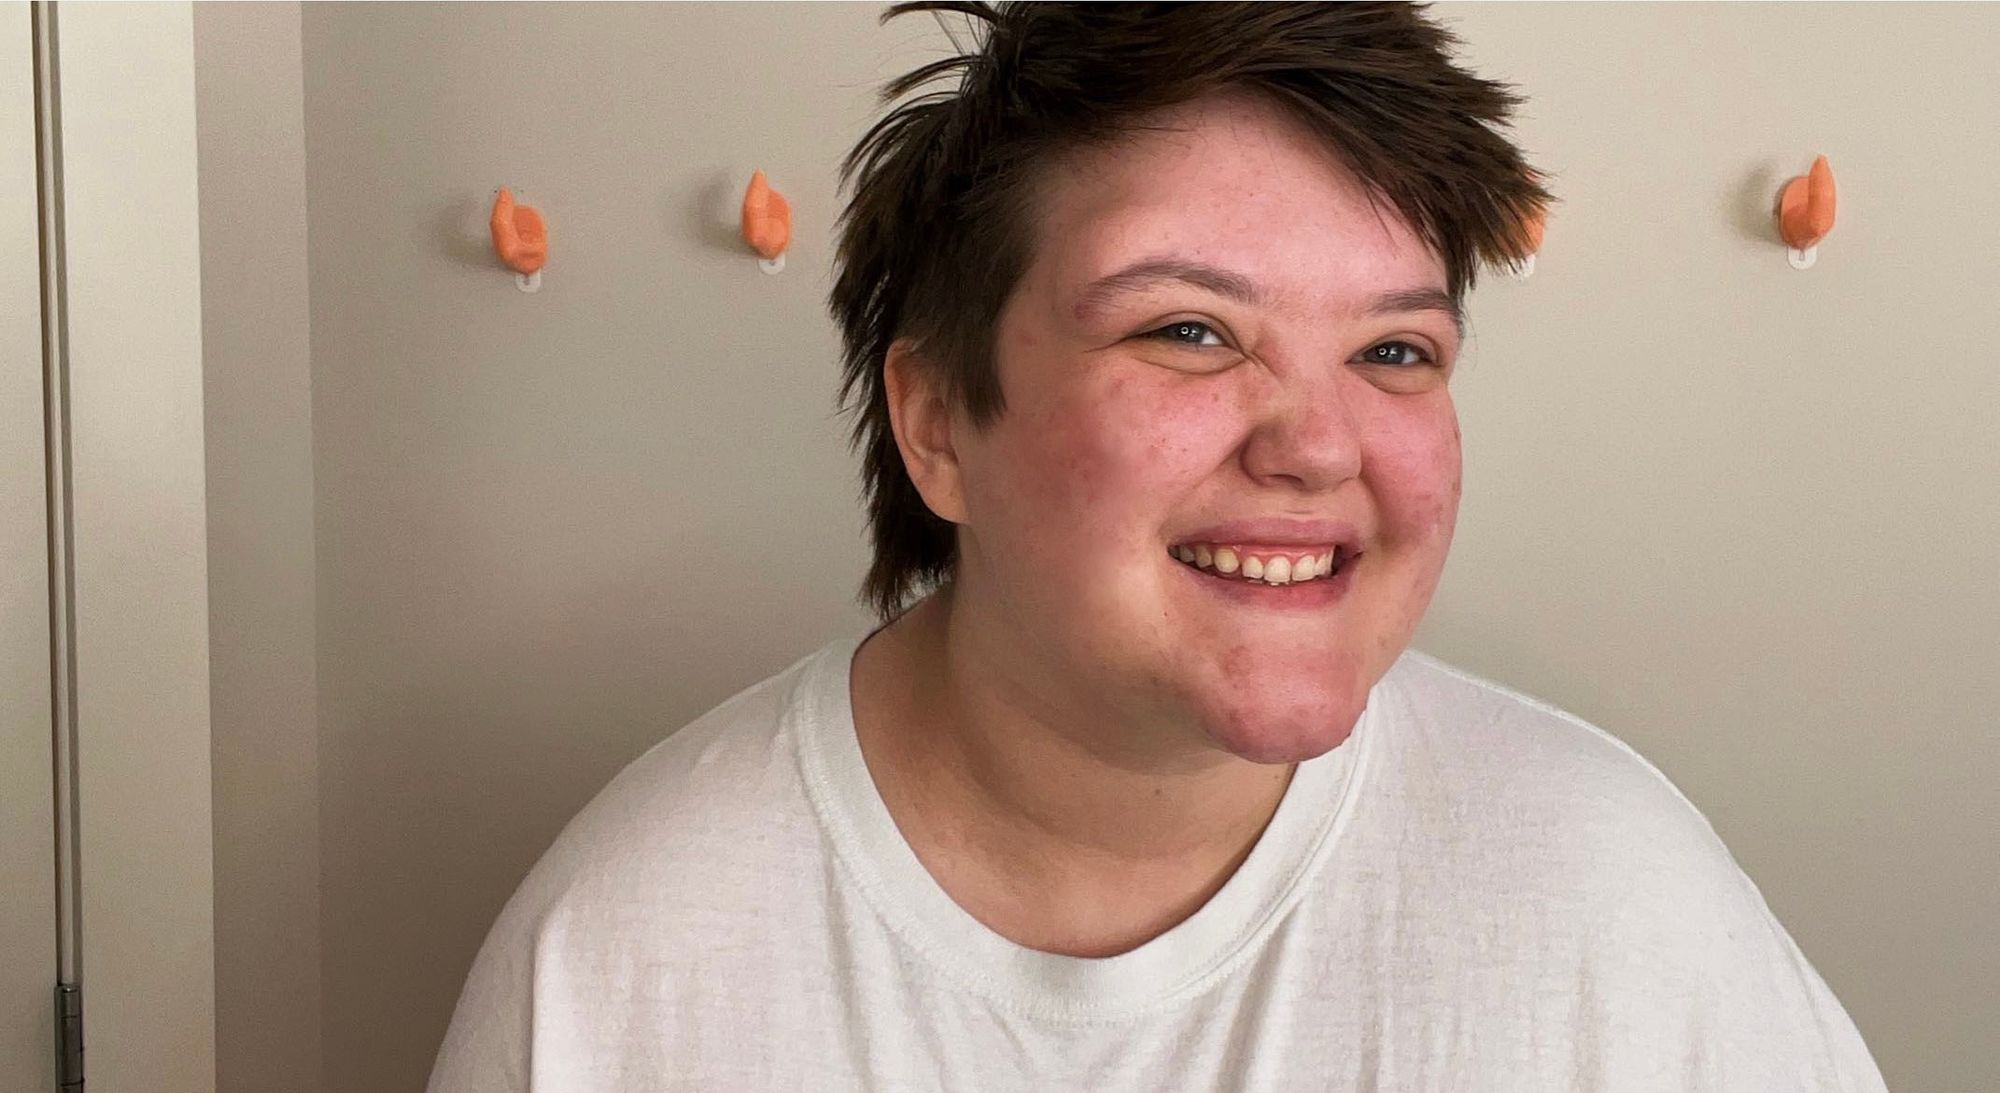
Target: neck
(985, 765)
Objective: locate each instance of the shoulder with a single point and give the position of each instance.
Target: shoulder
(713, 804)
(1480, 717)
(1473, 736)
(656, 868)
(1549, 806)
(1623, 884)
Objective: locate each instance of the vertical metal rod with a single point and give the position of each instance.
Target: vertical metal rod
(55, 402)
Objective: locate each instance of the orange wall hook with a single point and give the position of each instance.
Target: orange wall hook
(1805, 214)
(767, 223)
(521, 239)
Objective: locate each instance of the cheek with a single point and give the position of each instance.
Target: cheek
(1107, 455)
(1418, 469)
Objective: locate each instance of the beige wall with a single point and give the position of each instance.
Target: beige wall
(257, 390)
(132, 496)
(1733, 512)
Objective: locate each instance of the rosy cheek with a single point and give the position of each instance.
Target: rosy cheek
(1106, 454)
(1418, 472)
(1059, 471)
(1164, 436)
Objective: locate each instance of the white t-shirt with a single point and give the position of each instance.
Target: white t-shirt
(1475, 891)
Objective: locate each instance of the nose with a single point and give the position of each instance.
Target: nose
(1305, 433)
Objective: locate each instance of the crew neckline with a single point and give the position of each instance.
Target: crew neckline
(1164, 971)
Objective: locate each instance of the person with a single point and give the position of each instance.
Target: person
(1150, 322)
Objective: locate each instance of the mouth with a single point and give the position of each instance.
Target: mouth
(1268, 566)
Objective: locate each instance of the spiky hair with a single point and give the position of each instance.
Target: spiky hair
(939, 223)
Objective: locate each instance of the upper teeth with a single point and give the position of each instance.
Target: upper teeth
(1274, 568)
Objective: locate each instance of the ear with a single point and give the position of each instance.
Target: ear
(922, 423)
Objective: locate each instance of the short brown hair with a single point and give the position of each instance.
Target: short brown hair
(937, 230)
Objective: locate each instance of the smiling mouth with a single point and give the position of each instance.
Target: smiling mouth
(1266, 566)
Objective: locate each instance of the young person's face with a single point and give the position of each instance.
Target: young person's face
(1151, 416)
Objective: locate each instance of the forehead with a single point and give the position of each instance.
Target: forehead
(1233, 182)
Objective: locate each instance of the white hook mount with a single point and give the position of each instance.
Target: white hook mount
(1802, 259)
(528, 282)
(772, 265)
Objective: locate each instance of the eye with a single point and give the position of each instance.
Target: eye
(1374, 355)
(1189, 333)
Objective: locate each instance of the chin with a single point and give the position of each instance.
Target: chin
(1291, 733)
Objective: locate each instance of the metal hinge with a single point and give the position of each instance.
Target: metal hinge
(69, 1038)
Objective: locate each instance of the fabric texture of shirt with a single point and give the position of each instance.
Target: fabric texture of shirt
(1475, 891)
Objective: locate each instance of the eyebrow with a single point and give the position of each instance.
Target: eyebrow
(1234, 286)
